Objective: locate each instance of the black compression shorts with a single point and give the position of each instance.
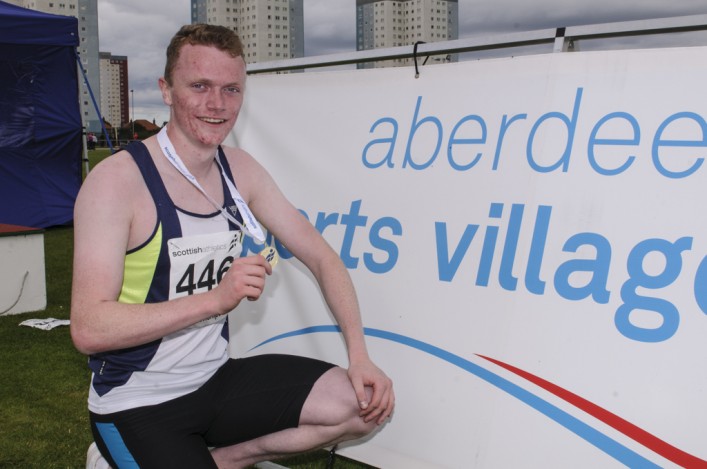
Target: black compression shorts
(245, 399)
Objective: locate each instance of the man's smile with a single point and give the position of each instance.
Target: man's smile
(212, 120)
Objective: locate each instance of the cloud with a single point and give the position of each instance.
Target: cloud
(485, 17)
(329, 26)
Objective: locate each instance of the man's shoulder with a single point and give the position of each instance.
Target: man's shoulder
(115, 165)
(116, 174)
(241, 161)
(233, 151)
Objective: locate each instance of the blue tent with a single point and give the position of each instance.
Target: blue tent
(41, 140)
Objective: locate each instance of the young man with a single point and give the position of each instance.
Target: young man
(157, 268)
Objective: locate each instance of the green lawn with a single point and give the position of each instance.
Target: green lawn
(44, 380)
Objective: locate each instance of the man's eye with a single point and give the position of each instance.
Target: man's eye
(198, 86)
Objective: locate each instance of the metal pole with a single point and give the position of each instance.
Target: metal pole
(132, 96)
(85, 150)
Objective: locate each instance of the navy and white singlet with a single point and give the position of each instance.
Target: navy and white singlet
(186, 254)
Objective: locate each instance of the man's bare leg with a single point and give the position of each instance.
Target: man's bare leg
(329, 415)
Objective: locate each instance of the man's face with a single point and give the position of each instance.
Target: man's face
(206, 93)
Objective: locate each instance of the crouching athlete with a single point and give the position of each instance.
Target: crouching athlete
(157, 268)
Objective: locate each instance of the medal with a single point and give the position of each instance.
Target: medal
(270, 254)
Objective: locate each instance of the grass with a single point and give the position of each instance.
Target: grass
(43, 414)
(44, 391)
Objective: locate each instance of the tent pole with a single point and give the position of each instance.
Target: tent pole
(85, 150)
(95, 105)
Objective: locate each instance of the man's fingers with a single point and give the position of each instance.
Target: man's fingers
(361, 394)
(380, 406)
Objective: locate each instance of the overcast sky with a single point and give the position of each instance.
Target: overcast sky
(141, 29)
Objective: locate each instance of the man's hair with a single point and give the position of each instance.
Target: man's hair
(201, 35)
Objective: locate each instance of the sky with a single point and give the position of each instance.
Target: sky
(141, 29)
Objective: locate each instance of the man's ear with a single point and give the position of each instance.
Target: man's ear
(166, 91)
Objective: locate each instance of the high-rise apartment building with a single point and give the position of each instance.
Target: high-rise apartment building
(393, 23)
(115, 100)
(270, 29)
(86, 11)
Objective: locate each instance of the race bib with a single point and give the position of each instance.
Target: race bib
(200, 262)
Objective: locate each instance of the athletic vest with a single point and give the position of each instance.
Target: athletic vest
(187, 253)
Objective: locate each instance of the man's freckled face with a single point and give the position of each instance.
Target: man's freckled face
(206, 93)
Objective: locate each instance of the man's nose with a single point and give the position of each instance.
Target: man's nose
(215, 100)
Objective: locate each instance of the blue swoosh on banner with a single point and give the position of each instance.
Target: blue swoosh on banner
(608, 445)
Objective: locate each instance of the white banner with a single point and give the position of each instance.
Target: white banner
(528, 240)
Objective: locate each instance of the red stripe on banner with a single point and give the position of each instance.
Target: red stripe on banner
(648, 440)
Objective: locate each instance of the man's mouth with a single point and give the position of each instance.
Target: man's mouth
(212, 120)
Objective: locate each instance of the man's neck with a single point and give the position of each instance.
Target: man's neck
(198, 159)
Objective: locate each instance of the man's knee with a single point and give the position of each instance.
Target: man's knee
(358, 427)
(333, 402)
(347, 416)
